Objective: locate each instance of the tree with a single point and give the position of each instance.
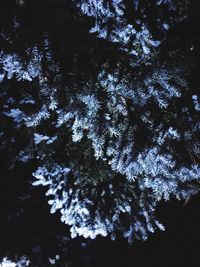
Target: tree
(114, 125)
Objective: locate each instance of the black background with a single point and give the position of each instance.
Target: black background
(27, 227)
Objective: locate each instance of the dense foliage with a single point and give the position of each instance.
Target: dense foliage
(108, 107)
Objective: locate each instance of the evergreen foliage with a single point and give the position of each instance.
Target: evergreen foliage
(114, 126)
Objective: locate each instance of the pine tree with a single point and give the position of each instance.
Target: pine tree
(115, 124)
